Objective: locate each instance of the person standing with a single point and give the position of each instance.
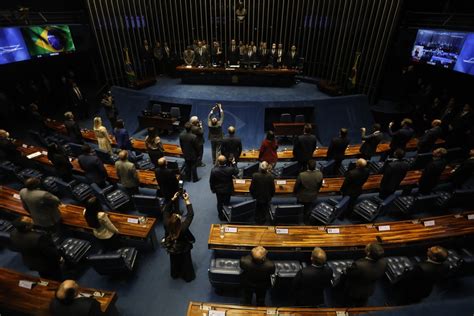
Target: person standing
(464, 171)
(215, 129)
(231, 146)
(268, 149)
(72, 128)
(109, 107)
(196, 129)
(370, 142)
(337, 149)
(60, 161)
(262, 189)
(121, 136)
(166, 179)
(221, 183)
(103, 138)
(427, 142)
(400, 138)
(304, 147)
(394, 171)
(432, 172)
(8, 149)
(127, 173)
(190, 147)
(154, 146)
(354, 181)
(307, 187)
(93, 167)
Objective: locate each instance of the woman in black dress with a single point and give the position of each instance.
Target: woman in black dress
(179, 240)
(60, 161)
(154, 146)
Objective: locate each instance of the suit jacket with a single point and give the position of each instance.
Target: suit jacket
(263, 57)
(362, 275)
(256, 275)
(304, 147)
(292, 61)
(61, 164)
(93, 167)
(167, 181)
(430, 175)
(189, 145)
(123, 138)
(394, 172)
(203, 58)
(73, 131)
(42, 205)
(463, 172)
(221, 179)
(37, 250)
(81, 306)
(309, 284)
(199, 132)
(8, 151)
(401, 137)
(307, 185)
(262, 187)
(353, 181)
(427, 141)
(424, 276)
(127, 174)
(231, 145)
(233, 55)
(369, 146)
(337, 148)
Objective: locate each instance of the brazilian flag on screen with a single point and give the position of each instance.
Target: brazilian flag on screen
(48, 40)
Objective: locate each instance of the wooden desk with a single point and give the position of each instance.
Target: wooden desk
(72, 216)
(170, 149)
(156, 121)
(350, 237)
(288, 129)
(36, 301)
(202, 309)
(332, 185)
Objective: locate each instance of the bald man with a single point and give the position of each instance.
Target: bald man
(354, 181)
(166, 179)
(68, 302)
(196, 129)
(221, 182)
(127, 173)
(231, 146)
(256, 275)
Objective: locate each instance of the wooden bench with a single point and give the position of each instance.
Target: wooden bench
(35, 301)
(342, 238)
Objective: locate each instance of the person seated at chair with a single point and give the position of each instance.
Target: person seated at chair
(93, 167)
(121, 136)
(307, 187)
(394, 171)
(432, 172)
(370, 142)
(127, 173)
(102, 228)
(310, 282)
(354, 181)
(68, 302)
(337, 149)
(256, 275)
(60, 161)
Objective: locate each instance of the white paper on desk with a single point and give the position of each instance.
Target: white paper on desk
(26, 284)
(44, 153)
(470, 216)
(271, 311)
(189, 66)
(34, 155)
(216, 313)
(24, 146)
(333, 230)
(384, 228)
(282, 231)
(230, 229)
(70, 159)
(16, 196)
(341, 313)
(82, 294)
(132, 220)
(240, 181)
(429, 223)
(281, 182)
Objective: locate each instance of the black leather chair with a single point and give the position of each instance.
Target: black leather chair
(119, 262)
(76, 149)
(289, 170)
(110, 196)
(299, 118)
(420, 161)
(26, 173)
(397, 267)
(5, 228)
(462, 198)
(288, 214)
(249, 170)
(241, 212)
(50, 185)
(326, 212)
(155, 109)
(370, 208)
(285, 118)
(285, 272)
(147, 204)
(74, 250)
(106, 157)
(224, 273)
(375, 167)
(79, 191)
(338, 270)
(419, 203)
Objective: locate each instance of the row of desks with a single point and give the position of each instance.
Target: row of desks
(248, 155)
(72, 216)
(35, 301)
(340, 238)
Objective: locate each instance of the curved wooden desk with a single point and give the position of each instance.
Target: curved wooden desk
(348, 237)
(35, 301)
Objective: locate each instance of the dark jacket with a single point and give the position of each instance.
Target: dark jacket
(401, 137)
(337, 148)
(185, 240)
(61, 164)
(167, 181)
(199, 132)
(73, 131)
(37, 250)
(122, 138)
(189, 145)
(221, 179)
(256, 275)
(307, 185)
(304, 147)
(93, 167)
(8, 151)
(427, 141)
(369, 146)
(354, 181)
(430, 176)
(81, 306)
(362, 275)
(423, 277)
(309, 284)
(262, 187)
(231, 145)
(394, 172)
(463, 172)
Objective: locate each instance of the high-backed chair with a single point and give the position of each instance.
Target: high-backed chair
(289, 214)
(155, 108)
(175, 112)
(76, 149)
(250, 169)
(224, 273)
(370, 208)
(299, 118)
(415, 203)
(74, 250)
(118, 262)
(285, 118)
(147, 204)
(241, 212)
(79, 191)
(106, 157)
(339, 268)
(110, 196)
(29, 173)
(285, 272)
(327, 212)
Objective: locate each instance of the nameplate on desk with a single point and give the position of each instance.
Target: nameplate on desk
(132, 220)
(383, 228)
(26, 284)
(239, 181)
(271, 311)
(216, 313)
(281, 182)
(34, 155)
(281, 231)
(429, 223)
(342, 313)
(24, 146)
(70, 159)
(189, 66)
(82, 294)
(333, 231)
(230, 229)
(16, 196)
(43, 283)
(44, 153)
(470, 216)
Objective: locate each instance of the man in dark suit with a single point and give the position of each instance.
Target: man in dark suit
(201, 55)
(68, 302)
(427, 142)
(93, 167)
(293, 59)
(461, 127)
(360, 278)
(221, 182)
(432, 172)
(310, 282)
(196, 129)
(307, 186)
(263, 54)
(37, 249)
(370, 142)
(262, 188)
(337, 149)
(79, 101)
(166, 179)
(465, 171)
(72, 128)
(256, 275)
(233, 53)
(190, 148)
(354, 181)
(8, 148)
(394, 171)
(231, 146)
(400, 138)
(304, 147)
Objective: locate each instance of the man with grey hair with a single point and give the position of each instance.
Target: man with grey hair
(72, 128)
(127, 173)
(310, 282)
(196, 129)
(262, 188)
(68, 301)
(256, 275)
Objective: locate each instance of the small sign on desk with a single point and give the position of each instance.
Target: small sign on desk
(383, 228)
(16, 196)
(429, 223)
(281, 182)
(34, 155)
(26, 284)
(216, 313)
(333, 231)
(132, 220)
(240, 181)
(230, 229)
(189, 66)
(281, 231)
(470, 217)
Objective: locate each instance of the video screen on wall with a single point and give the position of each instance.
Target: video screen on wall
(447, 49)
(12, 46)
(48, 40)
